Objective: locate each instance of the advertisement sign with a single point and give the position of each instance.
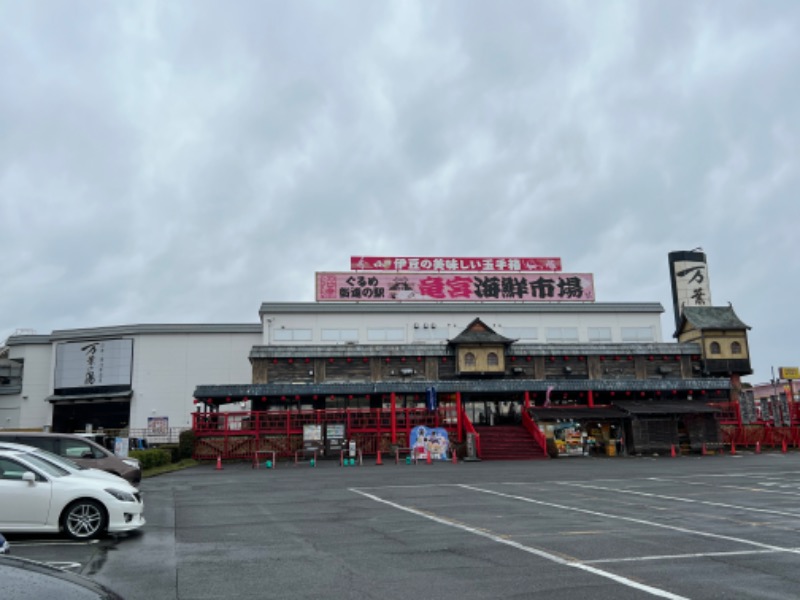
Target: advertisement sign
(447, 263)
(312, 438)
(157, 425)
(789, 372)
(429, 441)
(121, 447)
(474, 287)
(91, 364)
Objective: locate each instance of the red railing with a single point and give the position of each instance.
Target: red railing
(232, 435)
(533, 429)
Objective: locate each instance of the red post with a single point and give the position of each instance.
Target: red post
(527, 400)
(393, 410)
(591, 398)
(459, 423)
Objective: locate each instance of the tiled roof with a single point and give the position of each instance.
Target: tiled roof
(712, 317)
(449, 386)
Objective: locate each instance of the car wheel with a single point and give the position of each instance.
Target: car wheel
(84, 519)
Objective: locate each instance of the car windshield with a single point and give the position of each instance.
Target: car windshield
(59, 460)
(46, 467)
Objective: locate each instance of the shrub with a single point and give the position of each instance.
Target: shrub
(186, 444)
(174, 451)
(155, 457)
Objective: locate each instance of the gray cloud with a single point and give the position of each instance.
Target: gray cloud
(183, 162)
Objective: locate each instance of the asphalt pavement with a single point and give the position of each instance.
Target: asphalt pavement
(637, 527)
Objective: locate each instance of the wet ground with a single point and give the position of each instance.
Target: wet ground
(688, 527)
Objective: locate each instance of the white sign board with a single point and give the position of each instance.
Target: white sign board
(93, 364)
(692, 286)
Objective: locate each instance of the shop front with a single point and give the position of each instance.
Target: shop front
(583, 431)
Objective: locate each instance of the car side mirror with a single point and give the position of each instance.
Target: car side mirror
(29, 476)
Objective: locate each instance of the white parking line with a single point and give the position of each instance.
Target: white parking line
(682, 556)
(40, 544)
(679, 499)
(540, 553)
(595, 513)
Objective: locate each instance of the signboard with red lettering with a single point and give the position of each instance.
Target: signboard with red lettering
(455, 287)
(473, 265)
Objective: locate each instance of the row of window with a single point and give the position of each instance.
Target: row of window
(715, 348)
(524, 334)
(492, 359)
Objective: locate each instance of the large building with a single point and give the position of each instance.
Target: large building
(512, 351)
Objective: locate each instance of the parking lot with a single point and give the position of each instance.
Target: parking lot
(701, 527)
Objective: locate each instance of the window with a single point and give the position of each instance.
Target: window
(714, 348)
(599, 334)
(637, 334)
(291, 335)
(340, 335)
(421, 335)
(736, 348)
(521, 333)
(492, 360)
(78, 449)
(389, 334)
(469, 359)
(562, 334)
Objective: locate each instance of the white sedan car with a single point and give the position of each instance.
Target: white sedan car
(61, 461)
(40, 496)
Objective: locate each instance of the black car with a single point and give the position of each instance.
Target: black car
(29, 580)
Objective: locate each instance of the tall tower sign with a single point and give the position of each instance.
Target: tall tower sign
(688, 272)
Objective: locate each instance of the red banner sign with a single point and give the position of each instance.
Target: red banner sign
(452, 287)
(473, 265)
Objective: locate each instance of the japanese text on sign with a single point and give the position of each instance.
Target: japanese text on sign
(474, 287)
(387, 263)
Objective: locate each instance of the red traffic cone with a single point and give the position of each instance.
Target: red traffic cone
(378, 461)
(219, 462)
(703, 451)
(428, 457)
(733, 447)
(783, 446)
(758, 447)
(672, 450)
(455, 458)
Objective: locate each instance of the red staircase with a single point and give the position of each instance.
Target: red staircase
(508, 442)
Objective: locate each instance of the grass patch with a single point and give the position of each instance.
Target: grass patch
(186, 463)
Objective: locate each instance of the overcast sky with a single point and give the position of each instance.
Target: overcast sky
(182, 162)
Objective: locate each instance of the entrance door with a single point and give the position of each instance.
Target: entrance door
(68, 418)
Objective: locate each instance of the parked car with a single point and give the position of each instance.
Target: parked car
(66, 463)
(4, 546)
(23, 579)
(39, 496)
(85, 452)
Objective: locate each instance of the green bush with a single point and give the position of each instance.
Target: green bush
(186, 444)
(155, 457)
(173, 449)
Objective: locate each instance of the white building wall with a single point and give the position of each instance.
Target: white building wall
(168, 368)
(32, 410)
(449, 325)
